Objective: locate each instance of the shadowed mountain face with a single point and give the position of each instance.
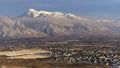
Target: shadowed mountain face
(42, 23)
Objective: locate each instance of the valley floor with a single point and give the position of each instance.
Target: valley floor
(60, 53)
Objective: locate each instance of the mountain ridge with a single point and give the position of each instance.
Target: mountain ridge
(35, 23)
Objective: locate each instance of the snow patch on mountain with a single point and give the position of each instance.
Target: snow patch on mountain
(35, 23)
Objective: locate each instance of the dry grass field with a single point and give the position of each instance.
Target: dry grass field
(25, 54)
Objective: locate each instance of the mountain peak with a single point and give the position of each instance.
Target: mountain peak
(32, 13)
(32, 10)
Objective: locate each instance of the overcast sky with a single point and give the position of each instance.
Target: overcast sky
(108, 9)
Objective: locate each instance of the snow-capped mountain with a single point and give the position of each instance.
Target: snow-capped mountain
(35, 23)
(34, 14)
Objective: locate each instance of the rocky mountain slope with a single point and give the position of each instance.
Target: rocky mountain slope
(35, 23)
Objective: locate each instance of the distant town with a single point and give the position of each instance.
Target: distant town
(100, 52)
